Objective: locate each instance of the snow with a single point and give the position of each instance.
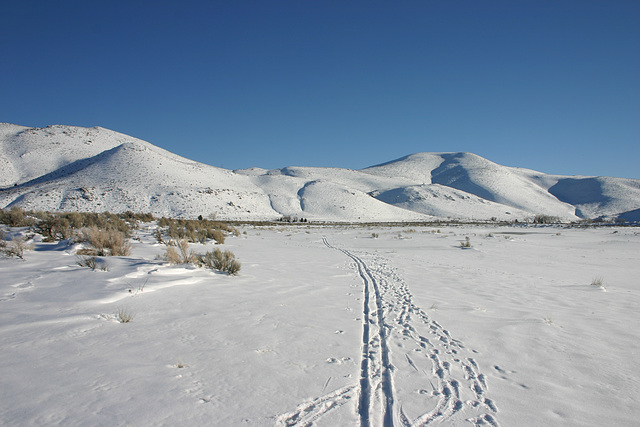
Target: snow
(508, 332)
(598, 195)
(441, 201)
(67, 168)
(477, 176)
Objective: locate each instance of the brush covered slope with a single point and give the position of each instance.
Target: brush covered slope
(66, 168)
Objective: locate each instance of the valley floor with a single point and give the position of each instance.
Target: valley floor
(363, 326)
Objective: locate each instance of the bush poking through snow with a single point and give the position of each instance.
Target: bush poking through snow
(181, 255)
(15, 247)
(124, 315)
(221, 261)
(171, 255)
(218, 236)
(158, 235)
(87, 261)
(186, 254)
(466, 244)
(55, 227)
(105, 242)
(599, 282)
(92, 262)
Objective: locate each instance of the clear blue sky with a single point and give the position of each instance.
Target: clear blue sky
(550, 85)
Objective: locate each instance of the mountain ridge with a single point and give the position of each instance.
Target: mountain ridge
(61, 168)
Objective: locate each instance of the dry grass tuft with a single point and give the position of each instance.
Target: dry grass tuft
(124, 315)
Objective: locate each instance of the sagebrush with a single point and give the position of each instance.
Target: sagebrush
(221, 261)
(179, 253)
(105, 242)
(466, 244)
(92, 262)
(15, 247)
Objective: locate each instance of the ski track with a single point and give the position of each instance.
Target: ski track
(394, 329)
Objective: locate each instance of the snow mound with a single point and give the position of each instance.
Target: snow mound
(330, 201)
(444, 202)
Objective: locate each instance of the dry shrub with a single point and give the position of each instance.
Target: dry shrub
(195, 230)
(106, 242)
(218, 236)
(16, 217)
(15, 247)
(55, 227)
(124, 315)
(599, 282)
(171, 255)
(92, 262)
(221, 261)
(158, 235)
(181, 255)
(87, 261)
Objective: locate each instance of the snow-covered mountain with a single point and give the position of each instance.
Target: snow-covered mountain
(94, 169)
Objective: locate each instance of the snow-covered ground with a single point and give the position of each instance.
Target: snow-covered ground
(330, 326)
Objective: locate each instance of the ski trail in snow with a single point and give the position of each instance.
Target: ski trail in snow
(400, 342)
(376, 388)
(374, 391)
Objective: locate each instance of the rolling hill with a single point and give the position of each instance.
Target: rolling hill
(66, 168)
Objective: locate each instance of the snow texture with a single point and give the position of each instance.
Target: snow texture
(327, 326)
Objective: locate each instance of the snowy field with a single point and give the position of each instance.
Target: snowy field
(330, 326)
